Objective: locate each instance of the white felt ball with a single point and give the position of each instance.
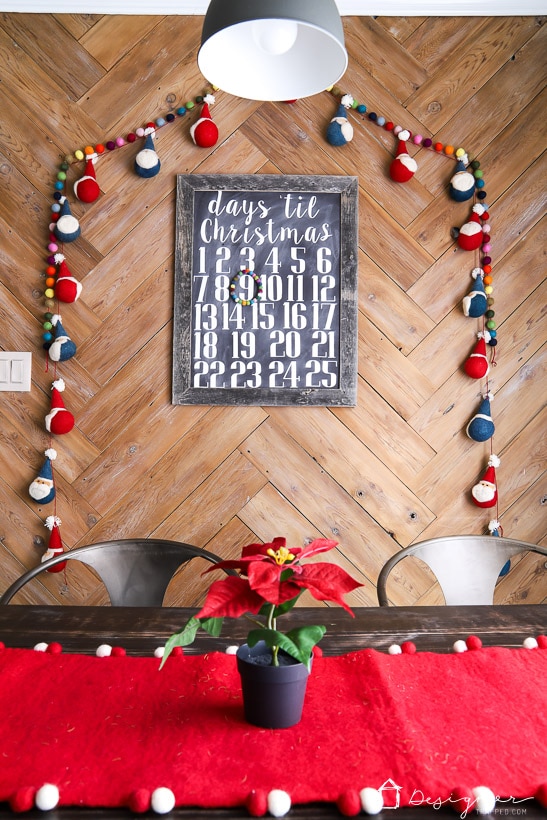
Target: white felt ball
(162, 800)
(279, 803)
(47, 797)
(395, 649)
(104, 650)
(530, 643)
(460, 646)
(486, 800)
(40, 647)
(159, 652)
(371, 800)
(231, 650)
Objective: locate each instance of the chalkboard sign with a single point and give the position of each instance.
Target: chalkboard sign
(265, 308)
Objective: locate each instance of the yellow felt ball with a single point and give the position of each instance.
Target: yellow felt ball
(79, 154)
(49, 293)
(460, 152)
(488, 289)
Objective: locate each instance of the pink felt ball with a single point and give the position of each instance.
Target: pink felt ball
(120, 141)
(257, 803)
(349, 804)
(474, 642)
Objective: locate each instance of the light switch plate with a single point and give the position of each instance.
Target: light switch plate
(15, 371)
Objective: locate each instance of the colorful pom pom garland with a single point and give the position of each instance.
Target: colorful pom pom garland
(466, 183)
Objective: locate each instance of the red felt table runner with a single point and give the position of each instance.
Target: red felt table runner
(416, 726)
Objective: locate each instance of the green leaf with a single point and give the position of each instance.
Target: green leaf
(212, 625)
(298, 643)
(184, 638)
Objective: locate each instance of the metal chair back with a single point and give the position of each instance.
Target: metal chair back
(467, 567)
(135, 572)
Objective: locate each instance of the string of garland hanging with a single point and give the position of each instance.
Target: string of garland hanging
(61, 286)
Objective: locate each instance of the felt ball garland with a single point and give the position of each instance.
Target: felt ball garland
(61, 285)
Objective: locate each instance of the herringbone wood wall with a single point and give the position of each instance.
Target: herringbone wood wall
(393, 470)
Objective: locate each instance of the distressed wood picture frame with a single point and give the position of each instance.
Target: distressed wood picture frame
(265, 300)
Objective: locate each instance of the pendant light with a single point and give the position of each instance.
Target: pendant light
(272, 49)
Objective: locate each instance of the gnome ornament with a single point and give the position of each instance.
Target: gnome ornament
(494, 528)
(67, 227)
(477, 366)
(204, 131)
(403, 166)
(474, 304)
(62, 348)
(481, 426)
(87, 188)
(59, 420)
(471, 233)
(67, 287)
(462, 184)
(42, 489)
(485, 493)
(340, 130)
(55, 545)
(147, 162)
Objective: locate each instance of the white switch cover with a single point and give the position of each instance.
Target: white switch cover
(15, 371)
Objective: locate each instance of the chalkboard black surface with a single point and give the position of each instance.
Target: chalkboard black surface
(265, 307)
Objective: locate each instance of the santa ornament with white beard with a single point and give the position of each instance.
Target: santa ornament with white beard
(485, 493)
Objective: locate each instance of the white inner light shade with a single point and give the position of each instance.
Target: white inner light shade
(272, 49)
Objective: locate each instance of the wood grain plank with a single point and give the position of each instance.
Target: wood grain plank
(113, 33)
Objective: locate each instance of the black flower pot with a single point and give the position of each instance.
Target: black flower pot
(273, 696)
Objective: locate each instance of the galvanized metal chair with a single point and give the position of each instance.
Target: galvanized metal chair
(135, 572)
(467, 567)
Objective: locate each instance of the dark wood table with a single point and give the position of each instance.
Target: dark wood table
(140, 630)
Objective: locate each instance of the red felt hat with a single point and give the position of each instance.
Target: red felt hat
(403, 167)
(477, 365)
(55, 545)
(204, 132)
(59, 420)
(67, 288)
(86, 188)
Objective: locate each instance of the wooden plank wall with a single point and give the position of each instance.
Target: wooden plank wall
(393, 470)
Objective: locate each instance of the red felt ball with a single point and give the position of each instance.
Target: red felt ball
(177, 651)
(473, 642)
(462, 800)
(257, 803)
(23, 799)
(349, 804)
(541, 795)
(408, 648)
(317, 652)
(2, 645)
(54, 648)
(139, 801)
(118, 651)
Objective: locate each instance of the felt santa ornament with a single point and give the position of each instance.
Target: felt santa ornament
(59, 420)
(42, 489)
(481, 426)
(87, 188)
(474, 304)
(204, 131)
(55, 545)
(67, 227)
(67, 287)
(462, 184)
(339, 129)
(403, 166)
(477, 366)
(485, 493)
(471, 233)
(62, 348)
(147, 162)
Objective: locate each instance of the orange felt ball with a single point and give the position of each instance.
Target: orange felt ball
(487, 280)
(50, 281)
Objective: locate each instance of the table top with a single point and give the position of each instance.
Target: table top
(141, 630)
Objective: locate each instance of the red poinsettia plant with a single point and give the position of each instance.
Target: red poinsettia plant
(271, 579)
